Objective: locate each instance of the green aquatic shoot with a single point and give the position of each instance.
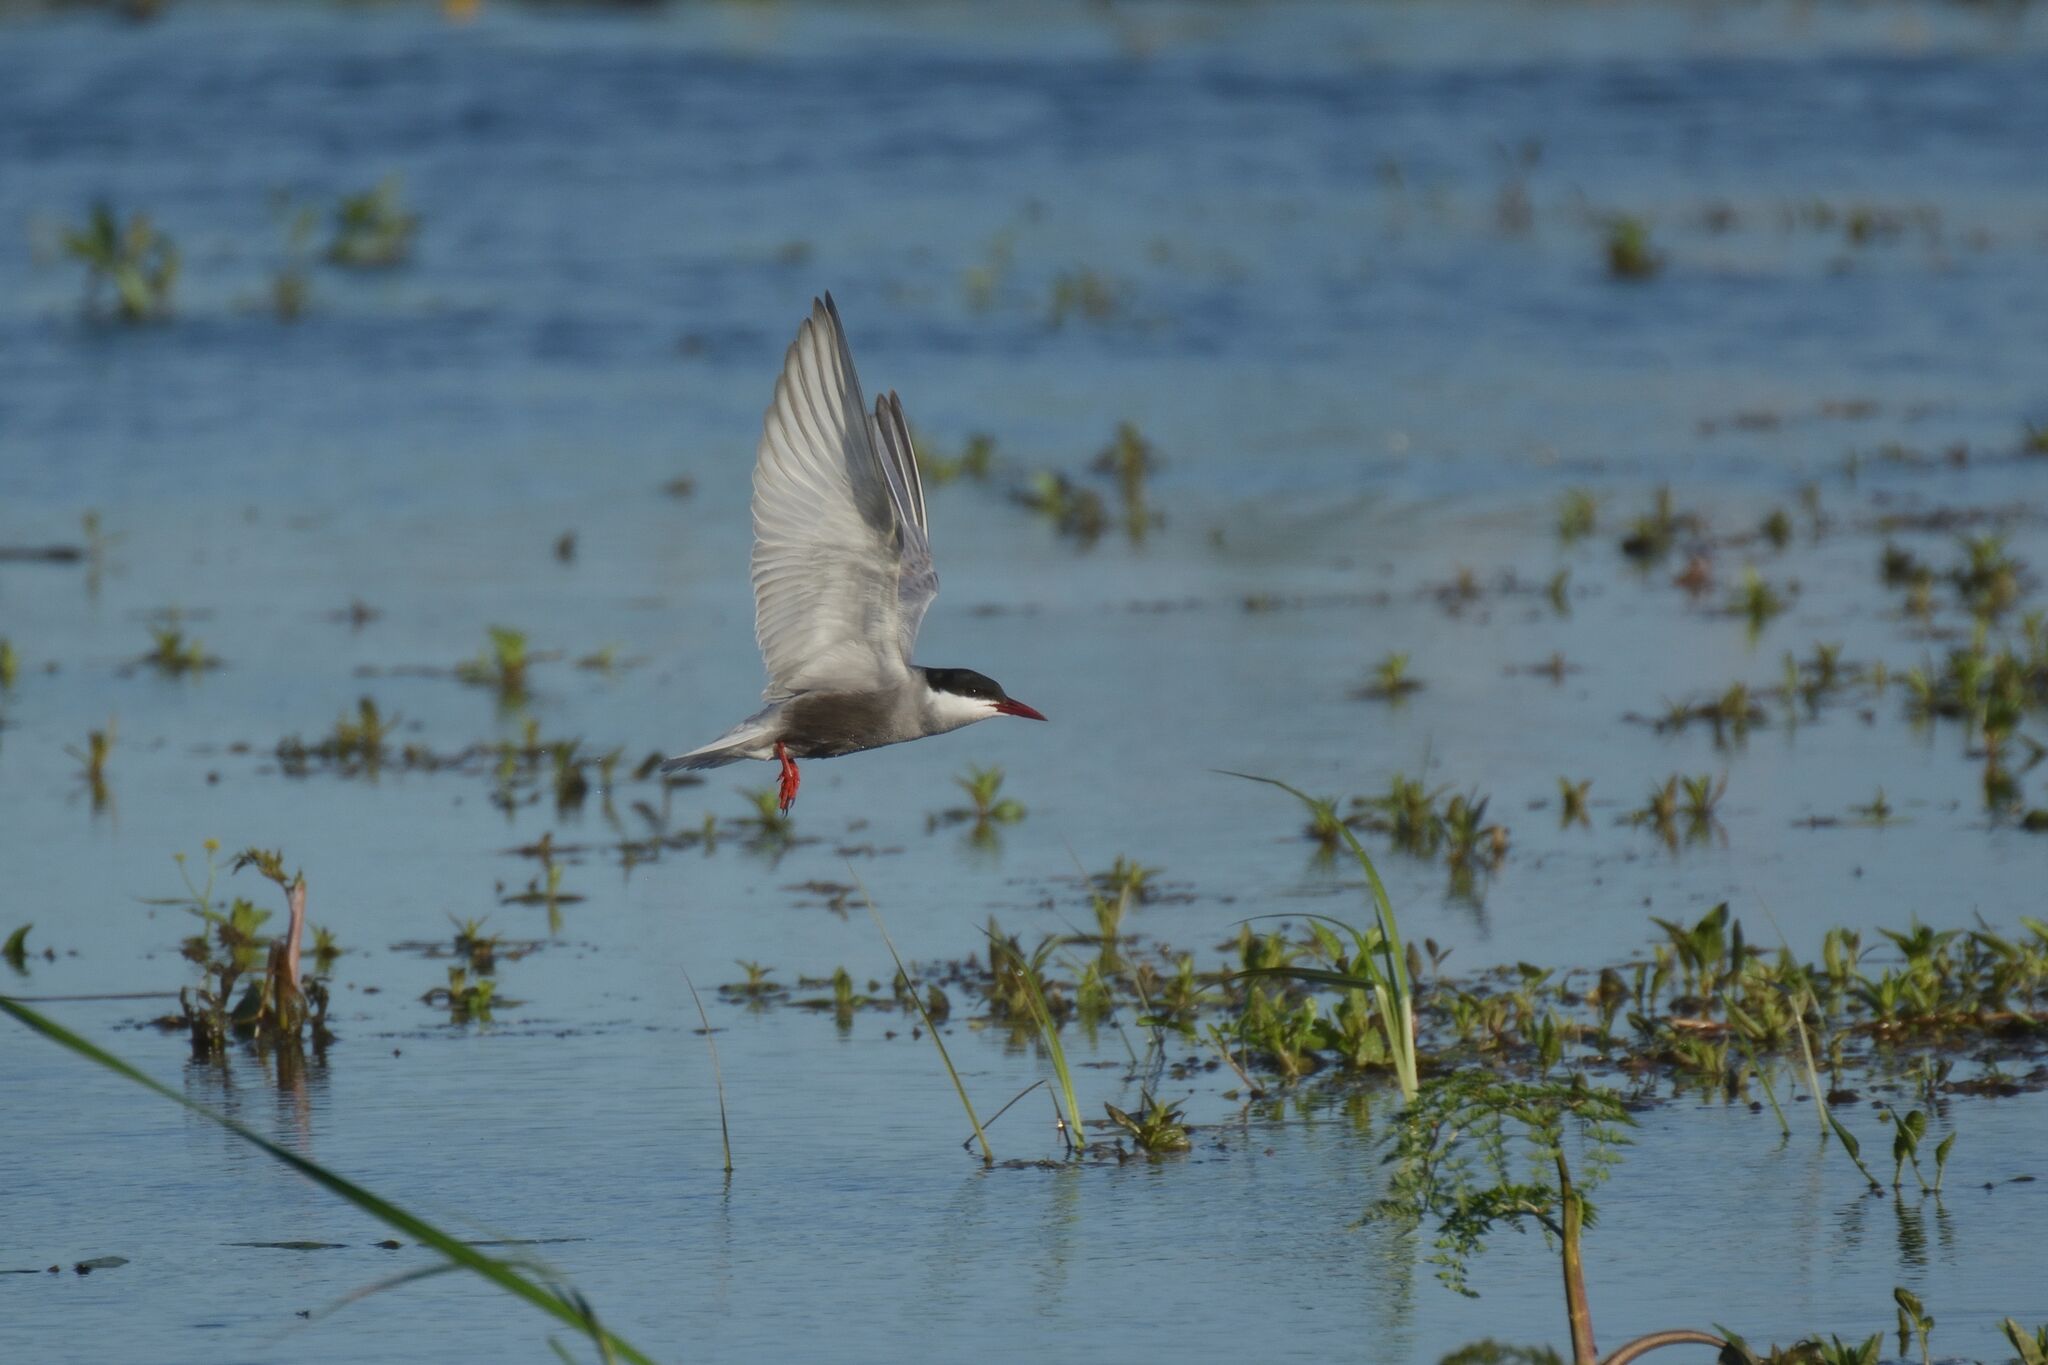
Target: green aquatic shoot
(2030, 1347)
(988, 1155)
(15, 951)
(563, 1304)
(373, 230)
(717, 1075)
(1049, 1033)
(1914, 1320)
(137, 261)
(1381, 962)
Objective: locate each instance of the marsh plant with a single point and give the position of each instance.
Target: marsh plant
(291, 285)
(501, 667)
(1390, 680)
(10, 664)
(133, 259)
(92, 763)
(1630, 256)
(1578, 514)
(175, 654)
(974, 462)
(251, 988)
(373, 229)
(1130, 459)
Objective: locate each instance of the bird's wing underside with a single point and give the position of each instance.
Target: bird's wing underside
(842, 566)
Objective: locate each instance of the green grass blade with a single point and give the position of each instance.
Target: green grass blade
(1051, 1033)
(499, 1273)
(1400, 1024)
(988, 1155)
(717, 1075)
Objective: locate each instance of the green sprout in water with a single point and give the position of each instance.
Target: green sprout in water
(139, 262)
(1629, 253)
(501, 667)
(1756, 601)
(1577, 514)
(1156, 1129)
(15, 952)
(1087, 294)
(1130, 458)
(10, 663)
(174, 654)
(1390, 681)
(1572, 802)
(973, 462)
(373, 230)
(92, 762)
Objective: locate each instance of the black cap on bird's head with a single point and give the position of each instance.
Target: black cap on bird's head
(965, 682)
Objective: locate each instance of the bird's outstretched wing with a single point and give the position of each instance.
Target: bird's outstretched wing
(842, 565)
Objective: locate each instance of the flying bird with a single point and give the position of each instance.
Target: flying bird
(842, 572)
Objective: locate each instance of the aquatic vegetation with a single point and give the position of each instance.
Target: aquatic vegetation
(717, 1073)
(1756, 601)
(1130, 459)
(10, 663)
(1473, 1151)
(1377, 963)
(15, 951)
(467, 1001)
(501, 667)
(277, 1005)
(175, 655)
(138, 261)
(988, 1155)
(770, 822)
(1073, 509)
(1086, 293)
(1701, 796)
(975, 460)
(291, 286)
(1577, 515)
(1155, 1129)
(1572, 803)
(2030, 1347)
(1629, 253)
(1127, 877)
(92, 762)
(990, 808)
(373, 229)
(1776, 528)
(1651, 536)
(563, 1304)
(1914, 1320)
(1390, 681)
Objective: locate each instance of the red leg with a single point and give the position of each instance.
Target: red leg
(789, 776)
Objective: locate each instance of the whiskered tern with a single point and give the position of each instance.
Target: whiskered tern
(842, 573)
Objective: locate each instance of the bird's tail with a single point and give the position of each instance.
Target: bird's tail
(751, 738)
(711, 756)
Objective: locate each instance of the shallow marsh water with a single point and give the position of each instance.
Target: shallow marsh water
(1361, 382)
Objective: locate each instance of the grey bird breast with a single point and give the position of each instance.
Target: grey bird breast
(828, 724)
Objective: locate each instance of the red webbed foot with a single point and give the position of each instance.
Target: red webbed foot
(790, 778)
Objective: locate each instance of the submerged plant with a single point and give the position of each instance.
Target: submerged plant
(1156, 1128)
(1379, 964)
(501, 667)
(1390, 681)
(174, 654)
(1629, 253)
(140, 263)
(373, 229)
(1577, 515)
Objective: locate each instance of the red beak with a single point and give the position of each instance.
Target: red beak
(1010, 706)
